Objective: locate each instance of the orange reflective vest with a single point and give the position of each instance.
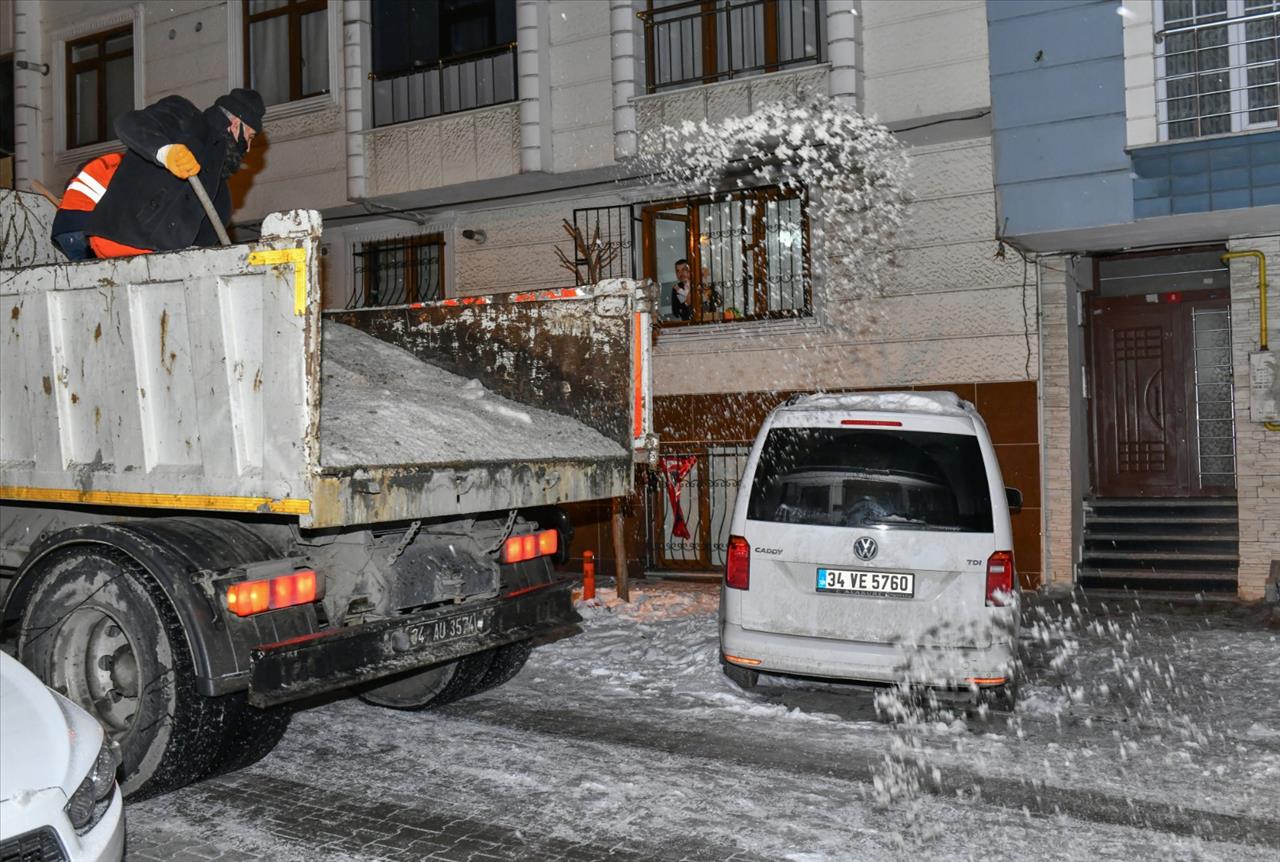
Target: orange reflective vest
(87, 187)
(85, 191)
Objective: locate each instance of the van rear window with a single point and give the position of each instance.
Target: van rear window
(855, 477)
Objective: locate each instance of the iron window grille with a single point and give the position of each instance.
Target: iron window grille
(748, 254)
(99, 85)
(1217, 66)
(441, 57)
(286, 53)
(690, 42)
(616, 227)
(398, 271)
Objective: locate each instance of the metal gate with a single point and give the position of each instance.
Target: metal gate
(689, 503)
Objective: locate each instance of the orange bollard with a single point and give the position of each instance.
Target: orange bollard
(588, 575)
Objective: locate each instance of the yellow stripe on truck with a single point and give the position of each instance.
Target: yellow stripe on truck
(295, 256)
(205, 502)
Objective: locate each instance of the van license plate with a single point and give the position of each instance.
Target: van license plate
(866, 583)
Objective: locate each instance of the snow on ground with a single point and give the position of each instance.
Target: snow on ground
(383, 405)
(628, 735)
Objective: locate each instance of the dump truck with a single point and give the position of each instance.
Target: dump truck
(219, 501)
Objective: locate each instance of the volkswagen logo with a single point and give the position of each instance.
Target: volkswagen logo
(865, 548)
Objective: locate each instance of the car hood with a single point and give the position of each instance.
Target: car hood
(45, 741)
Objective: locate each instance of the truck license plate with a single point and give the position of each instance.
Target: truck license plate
(449, 628)
(866, 583)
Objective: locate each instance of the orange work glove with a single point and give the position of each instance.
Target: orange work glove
(180, 162)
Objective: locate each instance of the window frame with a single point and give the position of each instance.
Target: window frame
(98, 63)
(1237, 73)
(756, 246)
(412, 246)
(295, 10)
(709, 13)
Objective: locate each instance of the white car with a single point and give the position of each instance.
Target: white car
(871, 542)
(58, 793)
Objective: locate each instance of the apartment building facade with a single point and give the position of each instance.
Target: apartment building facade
(1138, 158)
(447, 144)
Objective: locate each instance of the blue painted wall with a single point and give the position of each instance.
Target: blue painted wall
(1058, 114)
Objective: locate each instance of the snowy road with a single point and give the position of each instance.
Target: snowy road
(1149, 732)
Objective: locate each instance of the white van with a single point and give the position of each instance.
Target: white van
(871, 542)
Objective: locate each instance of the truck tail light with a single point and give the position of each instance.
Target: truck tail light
(271, 594)
(999, 579)
(737, 570)
(530, 546)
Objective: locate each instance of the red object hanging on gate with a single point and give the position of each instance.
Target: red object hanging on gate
(676, 468)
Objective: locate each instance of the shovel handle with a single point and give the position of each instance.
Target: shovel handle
(49, 196)
(209, 210)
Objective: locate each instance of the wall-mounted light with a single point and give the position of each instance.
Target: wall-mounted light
(42, 68)
(478, 235)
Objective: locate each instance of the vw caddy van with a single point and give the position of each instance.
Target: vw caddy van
(871, 542)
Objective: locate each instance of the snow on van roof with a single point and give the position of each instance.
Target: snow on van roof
(932, 403)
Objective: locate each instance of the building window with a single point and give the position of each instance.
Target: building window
(434, 57)
(99, 85)
(398, 271)
(286, 54)
(699, 41)
(1217, 66)
(747, 255)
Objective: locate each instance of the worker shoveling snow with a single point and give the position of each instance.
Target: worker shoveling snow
(382, 405)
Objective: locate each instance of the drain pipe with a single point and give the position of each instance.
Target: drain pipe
(1262, 304)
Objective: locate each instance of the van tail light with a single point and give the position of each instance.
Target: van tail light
(302, 587)
(737, 570)
(529, 546)
(1000, 579)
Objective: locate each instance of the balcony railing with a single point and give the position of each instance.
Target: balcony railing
(1219, 76)
(701, 41)
(458, 83)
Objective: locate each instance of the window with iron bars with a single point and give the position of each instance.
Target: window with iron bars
(747, 257)
(614, 230)
(398, 271)
(433, 57)
(1217, 66)
(691, 42)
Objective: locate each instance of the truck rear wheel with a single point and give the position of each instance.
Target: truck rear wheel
(97, 630)
(507, 662)
(434, 686)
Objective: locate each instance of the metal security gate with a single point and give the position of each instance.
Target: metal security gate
(689, 503)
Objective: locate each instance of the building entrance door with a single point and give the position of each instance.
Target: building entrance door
(1162, 413)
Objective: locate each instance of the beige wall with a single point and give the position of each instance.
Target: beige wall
(581, 85)
(949, 312)
(303, 151)
(924, 57)
(1257, 449)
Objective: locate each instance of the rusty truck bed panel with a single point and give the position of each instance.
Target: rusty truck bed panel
(566, 352)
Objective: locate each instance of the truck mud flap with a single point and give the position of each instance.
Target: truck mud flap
(326, 661)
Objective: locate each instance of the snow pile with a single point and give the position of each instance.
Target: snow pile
(853, 170)
(931, 403)
(381, 405)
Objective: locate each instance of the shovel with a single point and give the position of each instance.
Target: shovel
(209, 210)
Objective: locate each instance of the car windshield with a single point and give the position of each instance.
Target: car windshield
(853, 477)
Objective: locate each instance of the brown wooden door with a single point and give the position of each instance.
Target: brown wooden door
(1140, 374)
(1144, 406)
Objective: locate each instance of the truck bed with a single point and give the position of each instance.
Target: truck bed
(211, 380)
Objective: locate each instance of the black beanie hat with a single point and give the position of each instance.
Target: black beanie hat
(245, 104)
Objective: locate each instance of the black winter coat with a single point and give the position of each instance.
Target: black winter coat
(146, 206)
